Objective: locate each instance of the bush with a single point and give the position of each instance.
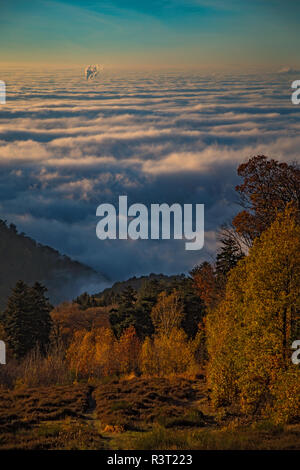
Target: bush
(39, 370)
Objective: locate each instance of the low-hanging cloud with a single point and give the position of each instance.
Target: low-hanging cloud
(68, 145)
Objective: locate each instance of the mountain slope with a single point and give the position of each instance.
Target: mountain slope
(21, 257)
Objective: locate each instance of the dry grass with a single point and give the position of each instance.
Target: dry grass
(241, 438)
(140, 413)
(23, 411)
(141, 401)
(24, 407)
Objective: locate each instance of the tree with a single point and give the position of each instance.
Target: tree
(228, 255)
(251, 330)
(81, 353)
(128, 350)
(268, 187)
(193, 307)
(205, 283)
(125, 314)
(41, 320)
(149, 360)
(146, 299)
(93, 353)
(27, 320)
(167, 313)
(160, 355)
(86, 301)
(69, 317)
(106, 359)
(134, 308)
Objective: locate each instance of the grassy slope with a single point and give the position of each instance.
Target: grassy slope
(140, 413)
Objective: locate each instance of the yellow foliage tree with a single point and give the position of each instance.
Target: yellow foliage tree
(105, 352)
(128, 350)
(167, 313)
(92, 352)
(251, 331)
(168, 354)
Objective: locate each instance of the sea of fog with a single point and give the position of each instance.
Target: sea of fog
(68, 144)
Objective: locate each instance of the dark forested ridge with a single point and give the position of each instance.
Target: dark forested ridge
(24, 258)
(111, 294)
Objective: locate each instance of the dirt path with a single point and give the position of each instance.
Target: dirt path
(91, 401)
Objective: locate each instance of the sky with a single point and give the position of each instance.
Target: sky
(201, 34)
(188, 91)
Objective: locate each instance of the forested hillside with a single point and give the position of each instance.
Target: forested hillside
(112, 294)
(23, 258)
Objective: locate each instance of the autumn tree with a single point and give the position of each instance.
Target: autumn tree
(199, 343)
(167, 313)
(160, 355)
(92, 353)
(251, 330)
(69, 317)
(268, 187)
(205, 283)
(106, 360)
(128, 350)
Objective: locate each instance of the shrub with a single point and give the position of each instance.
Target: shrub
(39, 370)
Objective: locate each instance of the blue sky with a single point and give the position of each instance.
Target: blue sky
(202, 34)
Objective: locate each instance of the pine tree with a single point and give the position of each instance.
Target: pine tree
(17, 322)
(40, 316)
(27, 320)
(125, 315)
(193, 307)
(228, 255)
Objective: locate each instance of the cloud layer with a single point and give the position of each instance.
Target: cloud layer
(67, 145)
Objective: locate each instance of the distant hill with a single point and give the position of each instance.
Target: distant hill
(111, 294)
(23, 258)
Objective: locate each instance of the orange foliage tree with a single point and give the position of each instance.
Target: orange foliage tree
(91, 353)
(205, 283)
(69, 317)
(268, 187)
(99, 353)
(128, 350)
